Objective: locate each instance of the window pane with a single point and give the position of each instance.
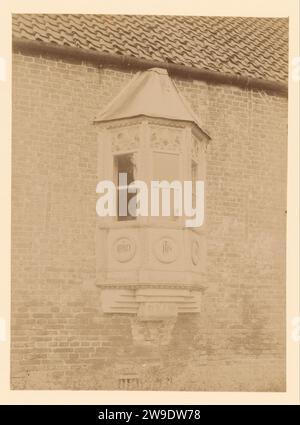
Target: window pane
(125, 164)
(194, 172)
(166, 166)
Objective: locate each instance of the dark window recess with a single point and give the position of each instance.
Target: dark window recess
(125, 164)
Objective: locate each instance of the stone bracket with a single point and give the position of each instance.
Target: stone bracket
(151, 303)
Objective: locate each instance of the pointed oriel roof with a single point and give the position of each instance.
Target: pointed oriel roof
(150, 93)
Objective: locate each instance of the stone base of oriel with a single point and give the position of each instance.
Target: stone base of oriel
(153, 309)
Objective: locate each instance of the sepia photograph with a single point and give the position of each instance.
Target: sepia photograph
(151, 224)
(145, 301)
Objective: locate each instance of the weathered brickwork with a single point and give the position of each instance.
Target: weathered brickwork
(60, 338)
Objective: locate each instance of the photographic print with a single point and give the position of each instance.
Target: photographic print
(149, 202)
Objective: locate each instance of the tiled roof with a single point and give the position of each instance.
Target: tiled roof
(252, 47)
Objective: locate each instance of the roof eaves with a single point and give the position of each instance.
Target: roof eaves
(123, 61)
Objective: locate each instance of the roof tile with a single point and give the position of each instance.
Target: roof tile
(253, 47)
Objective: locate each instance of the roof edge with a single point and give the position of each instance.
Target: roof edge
(40, 47)
(149, 117)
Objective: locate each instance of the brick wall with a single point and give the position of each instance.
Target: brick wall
(60, 338)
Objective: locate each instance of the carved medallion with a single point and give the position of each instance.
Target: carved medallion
(124, 250)
(166, 250)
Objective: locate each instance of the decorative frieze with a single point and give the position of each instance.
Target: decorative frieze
(125, 139)
(165, 139)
